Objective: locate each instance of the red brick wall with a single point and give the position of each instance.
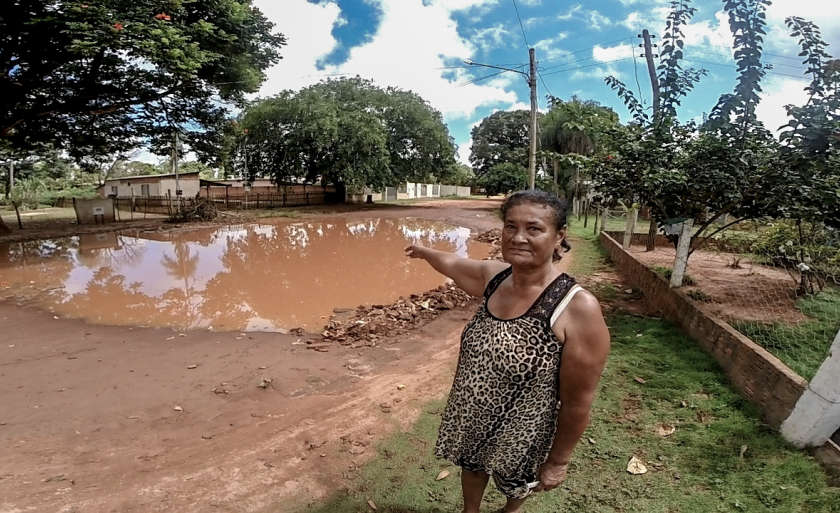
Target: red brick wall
(755, 373)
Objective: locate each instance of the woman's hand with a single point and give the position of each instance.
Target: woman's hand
(414, 251)
(551, 476)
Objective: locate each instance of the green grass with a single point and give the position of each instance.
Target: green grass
(802, 346)
(688, 280)
(721, 458)
(697, 469)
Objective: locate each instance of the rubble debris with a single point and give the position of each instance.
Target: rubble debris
(368, 323)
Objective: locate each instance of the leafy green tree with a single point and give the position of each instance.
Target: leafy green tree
(503, 178)
(501, 137)
(810, 143)
(723, 168)
(343, 131)
(573, 128)
(458, 174)
(97, 77)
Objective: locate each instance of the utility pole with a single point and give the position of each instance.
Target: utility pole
(654, 84)
(531, 77)
(175, 163)
(532, 154)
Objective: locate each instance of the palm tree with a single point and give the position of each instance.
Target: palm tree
(571, 130)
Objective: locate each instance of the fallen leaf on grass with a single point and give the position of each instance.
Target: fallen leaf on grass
(636, 467)
(639, 380)
(591, 440)
(443, 475)
(743, 451)
(371, 504)
(665, 430)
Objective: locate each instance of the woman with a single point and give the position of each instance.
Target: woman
(516, 409)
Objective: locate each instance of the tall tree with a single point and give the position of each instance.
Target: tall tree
(573, 128)
(343, 131)
(96, 77)
(500, 137)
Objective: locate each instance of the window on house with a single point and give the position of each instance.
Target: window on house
(144, 190)
(114, 190)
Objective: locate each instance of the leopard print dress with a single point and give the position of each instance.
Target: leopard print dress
(501, 414)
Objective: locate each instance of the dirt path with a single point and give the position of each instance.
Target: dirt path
(101, 418)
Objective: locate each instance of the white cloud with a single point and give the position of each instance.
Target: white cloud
(548, 48)
(598, 21)
(706, 36)
(596, 72)
(570, 13)
(611, 53)
(778, 92)
(823, 12)
(531, 3)
(491, 37)
(414, 39)
(307, 28)
(464, 152)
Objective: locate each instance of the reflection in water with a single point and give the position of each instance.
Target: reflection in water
(246, 277)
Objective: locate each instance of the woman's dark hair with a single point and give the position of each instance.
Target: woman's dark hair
(558, 207)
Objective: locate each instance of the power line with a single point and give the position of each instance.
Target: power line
(473, 81)
(636, 67)
(586, 66)
(521, 26)
(544, 84)
(769, 72)
(600, 43)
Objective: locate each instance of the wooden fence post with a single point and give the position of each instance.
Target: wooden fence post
(681, 261)
(604, 218)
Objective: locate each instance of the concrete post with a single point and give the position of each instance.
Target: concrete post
(816, 415)
(683, 247)
(630, 226)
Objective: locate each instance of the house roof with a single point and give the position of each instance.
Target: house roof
(138, 177)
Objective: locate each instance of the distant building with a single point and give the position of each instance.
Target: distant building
(151, 186)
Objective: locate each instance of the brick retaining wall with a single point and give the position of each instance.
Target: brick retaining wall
(758, 375)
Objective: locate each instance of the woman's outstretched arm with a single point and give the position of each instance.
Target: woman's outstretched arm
(470, 275)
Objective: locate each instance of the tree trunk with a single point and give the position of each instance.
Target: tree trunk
(683, 247)
(651, 240)
(556, 185)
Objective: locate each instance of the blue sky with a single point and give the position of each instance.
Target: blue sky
(421, 44)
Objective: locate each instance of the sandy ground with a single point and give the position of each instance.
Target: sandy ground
(117, 419)
(747, 291)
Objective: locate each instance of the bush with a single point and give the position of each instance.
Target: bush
(787, 245)
(503, 178)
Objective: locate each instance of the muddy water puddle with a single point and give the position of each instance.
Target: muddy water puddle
(255, 277)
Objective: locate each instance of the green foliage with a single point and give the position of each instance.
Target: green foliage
(27, 192)
(342, 131)
(790, 243)
(458, 174)
(504, 178)
(94, 78)
(810, 147)
(699, 469)
(501, 137)
(570, 131)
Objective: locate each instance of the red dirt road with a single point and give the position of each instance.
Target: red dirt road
(102, 419)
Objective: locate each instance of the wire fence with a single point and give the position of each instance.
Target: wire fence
(775, 281)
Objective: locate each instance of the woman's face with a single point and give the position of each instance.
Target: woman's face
(529, 235)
